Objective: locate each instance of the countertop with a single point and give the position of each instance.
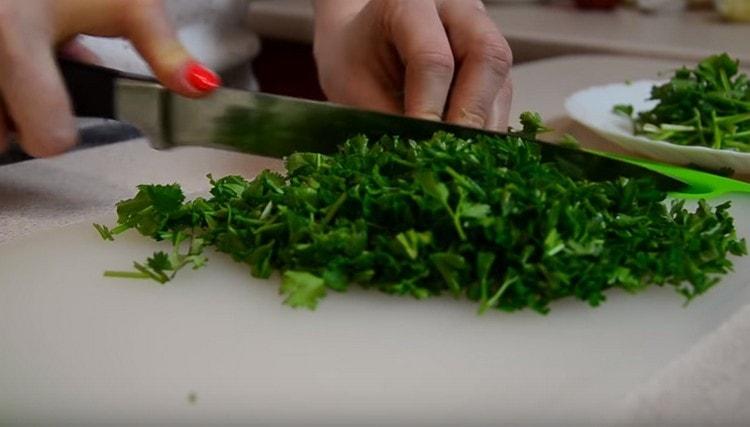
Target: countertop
(552, 29)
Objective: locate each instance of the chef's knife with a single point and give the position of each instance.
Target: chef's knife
(277, 126)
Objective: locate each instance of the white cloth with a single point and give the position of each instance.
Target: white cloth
(708, 386)
(45, 194)
(213, 30)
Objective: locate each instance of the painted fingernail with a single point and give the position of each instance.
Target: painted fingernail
(201, 78)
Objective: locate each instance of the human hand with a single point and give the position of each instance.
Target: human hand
(433, 59)
(33, 96)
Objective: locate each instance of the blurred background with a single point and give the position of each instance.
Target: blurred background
(687, 30)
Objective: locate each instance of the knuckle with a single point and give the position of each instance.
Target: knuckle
(434, 62)
(473, 115)
(388, 10)
(493, 50)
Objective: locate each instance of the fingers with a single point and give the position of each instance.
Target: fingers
(401, 55)
(30, 83)
(366, 89)
(146, 24)
(155, 39)
(419, 37)
(357, 64)
(35, 97)
(76, 51)
(484, 59)
(368, 93)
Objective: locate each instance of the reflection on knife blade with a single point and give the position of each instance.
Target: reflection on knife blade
(277, 126)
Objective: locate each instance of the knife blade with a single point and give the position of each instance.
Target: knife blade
(276, 126)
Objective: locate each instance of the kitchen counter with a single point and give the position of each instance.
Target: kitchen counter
(83, 185)
(538, 31)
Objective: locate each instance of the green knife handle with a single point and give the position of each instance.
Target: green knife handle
(699, 185)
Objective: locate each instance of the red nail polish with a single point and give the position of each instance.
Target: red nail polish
(201, 78)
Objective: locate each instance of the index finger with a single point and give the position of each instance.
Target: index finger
(146, 24)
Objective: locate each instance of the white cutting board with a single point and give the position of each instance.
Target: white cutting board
(77, 347)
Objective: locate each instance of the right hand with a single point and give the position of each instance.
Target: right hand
(32, 95)
(431, 59)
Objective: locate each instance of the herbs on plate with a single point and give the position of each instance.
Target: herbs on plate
(483, 219)
(708, 106)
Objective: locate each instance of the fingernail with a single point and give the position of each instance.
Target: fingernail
(200, 78)
(470, 119)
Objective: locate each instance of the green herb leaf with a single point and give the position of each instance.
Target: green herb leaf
(708, 105)
(302, 289)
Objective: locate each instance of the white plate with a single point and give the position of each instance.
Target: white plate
(592, 108)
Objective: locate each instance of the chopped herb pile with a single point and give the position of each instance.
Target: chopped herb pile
(706, 106)
(484, 219)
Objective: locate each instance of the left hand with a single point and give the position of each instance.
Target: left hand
(432, 59)
(32, 92)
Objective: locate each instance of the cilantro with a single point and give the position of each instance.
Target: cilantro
(708, 105)
(532, 124)
(105, 232)
(486, 219)
(624, 110)
(150, 209)
(302, 289)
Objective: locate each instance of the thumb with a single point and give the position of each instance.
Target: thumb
(155, 39)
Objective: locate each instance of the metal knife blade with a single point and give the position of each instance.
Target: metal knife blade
(276, 126)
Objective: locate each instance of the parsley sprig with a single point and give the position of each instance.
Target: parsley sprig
(708, 105)
(483, 219)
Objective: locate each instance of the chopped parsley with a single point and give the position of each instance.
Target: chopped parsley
(485, 219)
(708, 106)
